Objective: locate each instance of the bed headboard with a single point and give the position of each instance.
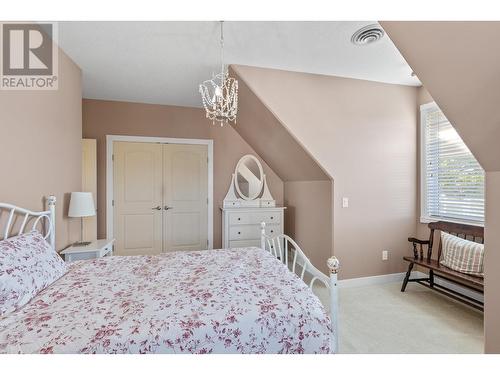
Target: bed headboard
(44, 220)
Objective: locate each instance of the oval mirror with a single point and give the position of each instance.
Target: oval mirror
(249, 177)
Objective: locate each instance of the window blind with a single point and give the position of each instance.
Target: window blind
(453, 179)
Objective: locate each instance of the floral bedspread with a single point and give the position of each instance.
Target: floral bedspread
(213, 301)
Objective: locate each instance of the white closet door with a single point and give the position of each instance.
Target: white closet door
(185, 185)
(138, 198)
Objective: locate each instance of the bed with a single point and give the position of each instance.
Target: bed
(244, 300)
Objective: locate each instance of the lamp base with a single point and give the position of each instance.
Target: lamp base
(81, 244)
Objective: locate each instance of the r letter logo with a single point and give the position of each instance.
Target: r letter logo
(29, 57)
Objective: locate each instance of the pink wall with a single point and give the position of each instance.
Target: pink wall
(40, 143)
(101, 117)
(363, 134)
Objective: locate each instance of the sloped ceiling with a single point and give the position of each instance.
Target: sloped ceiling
(459, 63)
(271, 140)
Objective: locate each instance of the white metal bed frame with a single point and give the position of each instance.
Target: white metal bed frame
(48, 227)
(280, 246)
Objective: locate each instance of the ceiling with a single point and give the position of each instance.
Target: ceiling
(164, 62)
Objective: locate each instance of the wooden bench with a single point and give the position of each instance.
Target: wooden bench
(469, 232)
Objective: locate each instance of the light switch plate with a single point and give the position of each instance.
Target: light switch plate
(345, 202)
(385, 255)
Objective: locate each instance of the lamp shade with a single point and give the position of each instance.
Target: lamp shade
(81, 204)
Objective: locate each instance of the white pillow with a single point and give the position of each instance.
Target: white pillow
(462, 255)
(27, 265)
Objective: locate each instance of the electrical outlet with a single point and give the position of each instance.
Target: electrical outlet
(345, 202)
(385, 255)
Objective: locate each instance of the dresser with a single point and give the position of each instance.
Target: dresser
(247, 204)
(241, 226)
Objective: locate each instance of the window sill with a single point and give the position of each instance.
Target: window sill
(427, 220)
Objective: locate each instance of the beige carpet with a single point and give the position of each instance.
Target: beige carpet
(381, 319)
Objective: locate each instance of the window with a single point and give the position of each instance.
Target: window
(452, 179)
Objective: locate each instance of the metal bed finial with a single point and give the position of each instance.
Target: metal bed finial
(333, 265)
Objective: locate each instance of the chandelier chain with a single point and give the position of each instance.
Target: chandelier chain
(222, 46)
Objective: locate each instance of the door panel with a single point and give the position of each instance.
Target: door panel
(186, 229)
(137, 191)
(138, 234)
(185, 182)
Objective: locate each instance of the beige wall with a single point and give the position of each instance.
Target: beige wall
(464, 78)
(424, 96)
(101, 118)
(363, 134)
(40, 147)
(308, 218)
(492, 246)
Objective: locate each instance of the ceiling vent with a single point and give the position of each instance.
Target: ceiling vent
(367, 35)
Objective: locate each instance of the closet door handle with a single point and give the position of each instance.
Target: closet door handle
(166, 208)
(157, 208)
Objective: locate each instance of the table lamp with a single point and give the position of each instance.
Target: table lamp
(81, 205)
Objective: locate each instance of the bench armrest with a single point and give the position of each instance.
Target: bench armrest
(416, 240)
(421, 243)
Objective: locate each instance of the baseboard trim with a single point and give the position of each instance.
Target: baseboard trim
(455, 287)
(372, 280)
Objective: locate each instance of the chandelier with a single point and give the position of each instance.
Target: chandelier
(220, 94)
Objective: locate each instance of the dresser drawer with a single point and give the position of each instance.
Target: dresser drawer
(244, 243)
(250, 232)
(236, 218)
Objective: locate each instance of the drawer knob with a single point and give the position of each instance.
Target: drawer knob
(239, 218)
(272, 217)
(239, 232)
(272, 231)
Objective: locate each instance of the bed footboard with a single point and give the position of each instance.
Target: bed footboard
(297, 262)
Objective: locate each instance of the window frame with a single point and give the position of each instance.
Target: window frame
(424, 218)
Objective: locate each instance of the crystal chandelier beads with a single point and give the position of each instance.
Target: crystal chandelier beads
(220, 94)
(220, 98)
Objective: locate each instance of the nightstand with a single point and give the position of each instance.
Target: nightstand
(96, 249)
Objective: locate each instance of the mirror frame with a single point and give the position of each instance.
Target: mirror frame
(261, 171)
